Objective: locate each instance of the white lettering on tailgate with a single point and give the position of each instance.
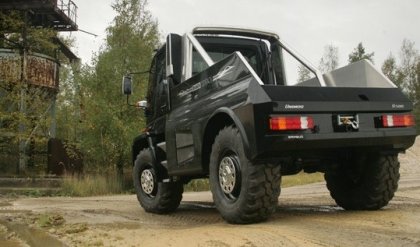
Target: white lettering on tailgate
(287, 106)
(295, 137)
(398, 106)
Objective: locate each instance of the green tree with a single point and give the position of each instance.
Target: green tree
(390, 70)
(359, 53)
(108, 124)
(329, 60)
(406, 73)
(69, 104)
(409, 59)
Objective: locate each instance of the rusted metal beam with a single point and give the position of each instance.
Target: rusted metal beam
(58, 14)
(65, 50)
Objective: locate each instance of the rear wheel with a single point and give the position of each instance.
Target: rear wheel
(242, 192)
(154, 195)
(369, 184)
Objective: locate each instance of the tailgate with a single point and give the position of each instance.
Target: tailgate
(324, 99)
(333, 118)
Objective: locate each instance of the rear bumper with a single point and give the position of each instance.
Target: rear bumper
(282, 145)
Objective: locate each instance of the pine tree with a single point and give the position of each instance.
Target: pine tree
(359, 53)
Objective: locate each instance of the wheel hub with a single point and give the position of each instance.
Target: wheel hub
(147, 181)
(227, 174)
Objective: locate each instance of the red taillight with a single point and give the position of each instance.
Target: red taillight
(291, 123)
(389, 121)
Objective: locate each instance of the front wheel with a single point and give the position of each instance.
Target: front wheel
(242, 192)
(154, 195)
(367, 185)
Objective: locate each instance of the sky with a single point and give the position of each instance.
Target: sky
(308, 26)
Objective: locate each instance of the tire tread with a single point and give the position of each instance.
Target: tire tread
(169, 194)
(261, 193)
(374, 191)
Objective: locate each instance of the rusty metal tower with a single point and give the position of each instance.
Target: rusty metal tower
(34, 69)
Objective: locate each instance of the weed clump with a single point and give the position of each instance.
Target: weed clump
(91, 185)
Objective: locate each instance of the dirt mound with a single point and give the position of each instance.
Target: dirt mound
(410, 160)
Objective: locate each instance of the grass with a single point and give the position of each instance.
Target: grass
(94, 185)
(197, 185)
(287, 181)
(46, 220)
(301, 179)
(91, 185)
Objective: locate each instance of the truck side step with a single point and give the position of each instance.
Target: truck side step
(162, 145)
(165, 164)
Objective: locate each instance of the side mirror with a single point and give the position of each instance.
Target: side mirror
(127, 85)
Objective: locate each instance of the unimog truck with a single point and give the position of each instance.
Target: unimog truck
(220, 106)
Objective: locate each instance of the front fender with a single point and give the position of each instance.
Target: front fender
(139, 143)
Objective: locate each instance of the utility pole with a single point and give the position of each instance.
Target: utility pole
(23, 159)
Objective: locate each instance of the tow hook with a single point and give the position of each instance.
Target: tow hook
(347, 123)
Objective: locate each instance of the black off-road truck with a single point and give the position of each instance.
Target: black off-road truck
(219, 106)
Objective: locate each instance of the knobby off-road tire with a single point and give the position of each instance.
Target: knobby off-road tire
(154, 196)
(371, 188)
(242, 192)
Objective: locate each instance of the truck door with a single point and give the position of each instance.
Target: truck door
(180, 144)
(157, 94)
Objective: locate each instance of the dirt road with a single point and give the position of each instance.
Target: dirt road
(306, 216)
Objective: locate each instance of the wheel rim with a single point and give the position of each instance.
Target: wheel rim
(147, 181)
(229, 176)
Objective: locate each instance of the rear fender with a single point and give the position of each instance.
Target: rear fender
(236, 121)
